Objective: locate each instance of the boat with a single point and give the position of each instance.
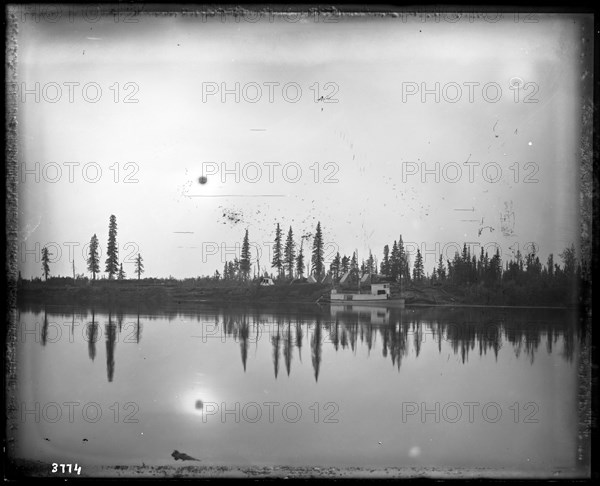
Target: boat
(379, 295)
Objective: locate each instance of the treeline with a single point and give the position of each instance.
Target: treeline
(465, 270)
(520, 280)
(479, 277)
(289, 261)
(288, 258)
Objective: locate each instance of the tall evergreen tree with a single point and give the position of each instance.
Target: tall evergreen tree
(345, 265)
(484, 265)
(456, 269)
(403, 270)
(385, 263)
(370, 264)
(139, 266)
(418, 272)
(277, 251)
(45, 262)
(245, 258)
(395, 262)
(441, 270)
(290, 253)
(317, 253)
(480, 265)
(496, 267)
(466, 255)
(93, 261)
(354, 262)
(300, 263)
(335, 266)
(112, 251)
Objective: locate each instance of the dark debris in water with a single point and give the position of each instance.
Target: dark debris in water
(180, 456)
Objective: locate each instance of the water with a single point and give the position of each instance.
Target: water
(427, 387)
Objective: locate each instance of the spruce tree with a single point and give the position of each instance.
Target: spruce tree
(354, 262)
(277, 251)
(245, 258)
(93, 261)
(139, 266)
(370, 263)
(403, 270)
(335, 266)
(418, 272)
(317, 253)
(385, 263)
(441, 270)
(290, 253)
(112, 252)
(344, 265)
(300, 264)
(45, 262)
(395, 262)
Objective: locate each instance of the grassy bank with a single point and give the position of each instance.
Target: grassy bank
(166, 292)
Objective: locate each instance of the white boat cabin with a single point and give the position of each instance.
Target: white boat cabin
(378, 292)
(380, 289)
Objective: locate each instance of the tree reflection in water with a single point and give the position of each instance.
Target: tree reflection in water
(466, 330)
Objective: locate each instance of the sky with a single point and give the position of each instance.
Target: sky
(351, 114)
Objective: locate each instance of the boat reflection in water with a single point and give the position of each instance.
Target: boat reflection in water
(364, 313)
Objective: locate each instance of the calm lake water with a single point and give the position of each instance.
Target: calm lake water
(426, 387)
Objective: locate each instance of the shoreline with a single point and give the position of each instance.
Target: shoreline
(322, 305)
(181, 294)
(484, 306)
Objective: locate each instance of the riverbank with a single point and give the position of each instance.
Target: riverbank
(177, 292)
(169, 292)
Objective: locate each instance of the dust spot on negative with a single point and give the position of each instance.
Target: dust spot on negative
(414, 452)
(202, 179)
